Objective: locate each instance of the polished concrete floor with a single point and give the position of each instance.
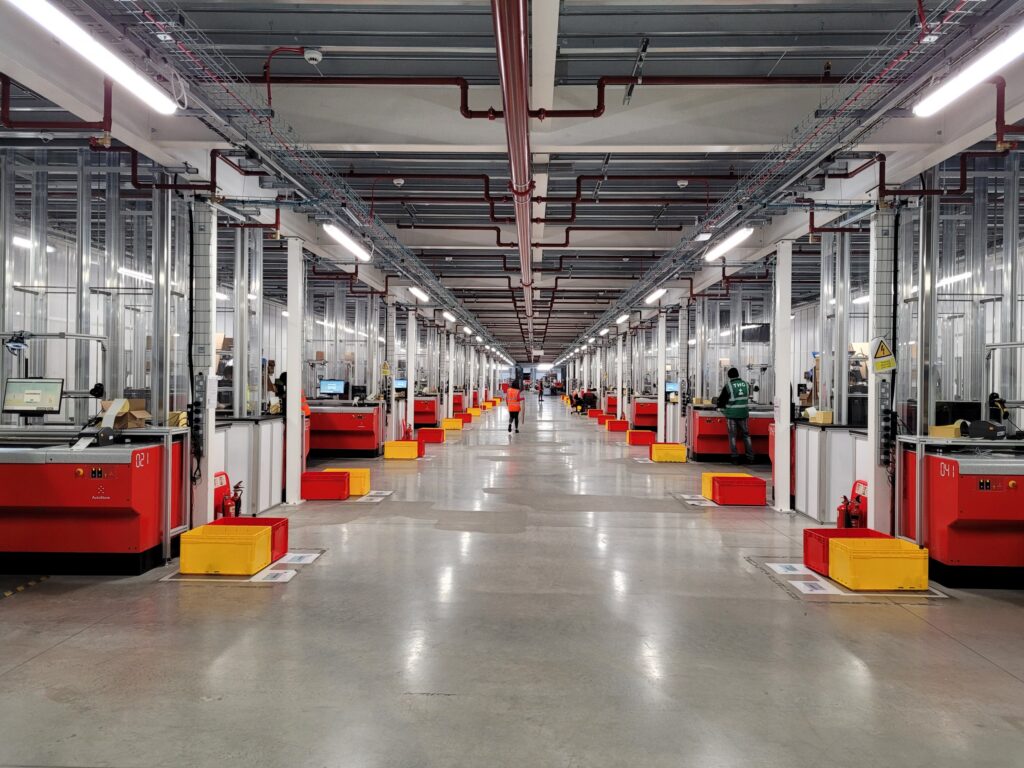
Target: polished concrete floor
(521, 600)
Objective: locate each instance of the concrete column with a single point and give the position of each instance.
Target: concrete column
(619, 394)
(700, 348)
(240, 352)
(660, 378)
(882, 262)
(159, 371)
(391, 334)
(294, 419)
(928, 253)
(449, 403)
(203, 350)
(782, 334)
(411, 348)
(841, 329)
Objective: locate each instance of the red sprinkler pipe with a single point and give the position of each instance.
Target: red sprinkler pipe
(812, 229)
(1002, 129)
(104, 124)
(884, 191)
(275, 225)
(513, 66)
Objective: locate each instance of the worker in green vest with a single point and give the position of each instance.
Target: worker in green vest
(734, 402)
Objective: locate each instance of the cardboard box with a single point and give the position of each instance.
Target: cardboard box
(133, 414)
(821, 417)
(946, 430)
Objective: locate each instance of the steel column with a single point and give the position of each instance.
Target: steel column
(294, 348)
(783, 362)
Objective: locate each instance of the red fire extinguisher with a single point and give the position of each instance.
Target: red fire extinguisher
(227, 502)
(853, 509)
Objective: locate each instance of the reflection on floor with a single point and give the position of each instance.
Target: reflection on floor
(521, 600)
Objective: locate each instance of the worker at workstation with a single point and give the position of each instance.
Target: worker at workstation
(589, 399)
(734, 402)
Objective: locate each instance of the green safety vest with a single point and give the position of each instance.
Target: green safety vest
(738, 406)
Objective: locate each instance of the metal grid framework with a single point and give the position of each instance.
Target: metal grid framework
(855, 108)
(220, 88)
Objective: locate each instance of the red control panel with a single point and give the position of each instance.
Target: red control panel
(644, 415)
(709, 434)
(355, 430)
(973, 510)
(425, 410)
(88, 506)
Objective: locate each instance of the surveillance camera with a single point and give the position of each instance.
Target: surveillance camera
(313, 56)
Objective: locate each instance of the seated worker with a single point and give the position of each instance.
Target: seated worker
(577, 401)
(590, 399)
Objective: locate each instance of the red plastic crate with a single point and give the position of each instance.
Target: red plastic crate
(325, 486)
(467, 418)
(430, 435)
(742, 491)
(640, 437)
(602, 418)
(816, 543)
(617, 425)
(593, 413)
(278, 532)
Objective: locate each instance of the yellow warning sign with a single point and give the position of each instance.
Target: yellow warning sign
(882, 358)
(385, 369)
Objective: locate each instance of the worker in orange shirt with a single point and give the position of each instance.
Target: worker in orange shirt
(514, 401)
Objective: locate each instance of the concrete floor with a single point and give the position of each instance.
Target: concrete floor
(525, 600)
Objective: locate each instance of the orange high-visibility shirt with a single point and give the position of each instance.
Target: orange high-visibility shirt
(513, 400)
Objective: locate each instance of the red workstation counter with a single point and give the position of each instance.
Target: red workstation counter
(973, 513)
(100, 500)
(347, 429)
(709, 435)
(427, 411)
(611, 402)
(643, 413)
(458, 402)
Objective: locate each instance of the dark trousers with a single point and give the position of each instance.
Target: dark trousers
(740, 427)
(513, 419)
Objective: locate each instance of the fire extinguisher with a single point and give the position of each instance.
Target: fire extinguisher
(233, 502)
(853, 509)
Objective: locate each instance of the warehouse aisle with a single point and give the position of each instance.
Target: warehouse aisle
(521, 600)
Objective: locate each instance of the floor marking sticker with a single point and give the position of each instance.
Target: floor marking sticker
(816, 587)
(276, 577)
(791, 569)
(639, 460)
(299, 558)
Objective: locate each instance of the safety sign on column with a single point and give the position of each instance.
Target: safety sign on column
(882, 358)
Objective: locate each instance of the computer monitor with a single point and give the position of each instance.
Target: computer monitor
(332, 387)
(33, 397)
(401, 383)
(672, 386)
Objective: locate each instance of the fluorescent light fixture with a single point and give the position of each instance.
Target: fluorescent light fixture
(748, 327)
(692, 342)
(702, 237)
(592, 339)
(351, 245)
(21, 242)
(133, 273)
(284, 313)
(622, 319)
(466, 329)
(85, 45)
(952, 280)
(382, 340)
(604, 332)
(545, 366)
(981, 69)
(478, 340)
(657, 294)
(419, 293)
(862, 300)
(253, 297)
(448, 316)
(725, 333)
(220, 296)
(729, 243)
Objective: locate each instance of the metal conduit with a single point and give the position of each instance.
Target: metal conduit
(513, 65)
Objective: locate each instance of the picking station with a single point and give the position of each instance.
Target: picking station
(463, 383)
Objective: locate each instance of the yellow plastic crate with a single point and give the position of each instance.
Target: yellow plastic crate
(474, 411)
(401, 449)
(707, 480)
(878, 564)
(448, 424)
(358, 479)
(487, 405)
(668, 452)
(226, 550)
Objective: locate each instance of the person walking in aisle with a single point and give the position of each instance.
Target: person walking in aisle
(514, 400)
(734, 402)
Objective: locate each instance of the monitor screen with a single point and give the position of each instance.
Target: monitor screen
(332, 387)
(672, 386)
(401, 384)
(33, 396)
